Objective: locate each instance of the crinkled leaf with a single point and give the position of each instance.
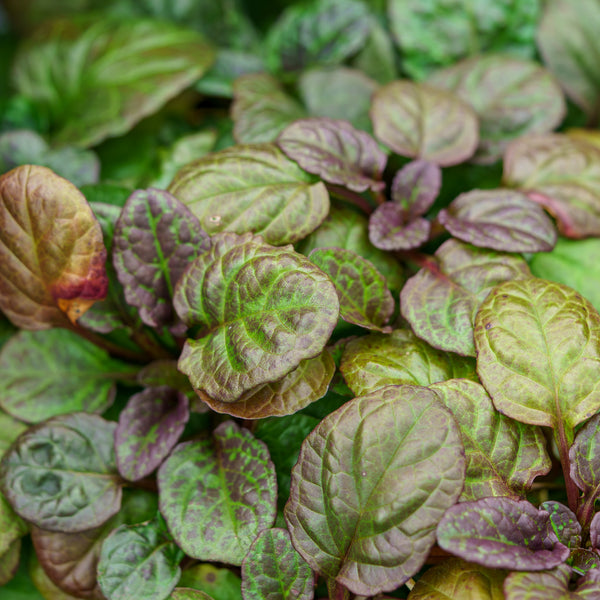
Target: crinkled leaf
(219, 583)
(261, 108)
(421, 121)
(584, 459)
(12, 527)
(334, 150)
(501, 533)
(416, 186)
(364, 297)
(273, 569)
(321, 32)
(156, 237)
(512, 97)
(9, 562)
(555, 584)
(563, 175)
(44, 584)
(253, 188)
(10, 430)
(293, 392)
(263, 309)
(502, 219)
(440, 303)
(538, 352)
(376, 360)
(139, 561)
(149, 427)
(503, 455)
(389, 228)
(564, 523)
(217, 495)
(76, 375)
(583, 561)
(97, 78)
(372, 481)
(51, 250)
(455, 579)
(61, 474)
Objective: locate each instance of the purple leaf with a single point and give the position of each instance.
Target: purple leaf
(389, 228)
(584, 460)
(564, 523)
(501, 533)
(595, 531)
(585, 561)
(416, 186)
(555, 584)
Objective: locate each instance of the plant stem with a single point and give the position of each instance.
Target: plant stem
(337, 591)
(350, 196)
(563, 450)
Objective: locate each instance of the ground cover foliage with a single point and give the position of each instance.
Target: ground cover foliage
(299, 300)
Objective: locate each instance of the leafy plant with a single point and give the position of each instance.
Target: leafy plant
(299, 303)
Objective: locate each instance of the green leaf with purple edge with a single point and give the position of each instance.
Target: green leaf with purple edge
(504, 220)
(584, 460)
(564, 523)
(218, 494)
(253, 188)
(262, 309)
(421, 121)
(77, 375)
(336, 151)
(61, 474)
(219, 583)
(377, 360)
(274, 570)
(503, 456)
(501, 533)
(563, 175)
(139, 561)
(155, 239)
(416, 186)
(512, 97)
(538, 353)
(371, 483)
(389, 228)
(180, 593)
(362, 291)
(261, 108)
(149, 427)
(440, 303)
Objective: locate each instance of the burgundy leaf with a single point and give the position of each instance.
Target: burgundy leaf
(416, 186)
(390, 230)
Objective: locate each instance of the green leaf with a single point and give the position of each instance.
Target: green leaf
(263, 309)
(77, 375)
(503, 456)
(9, 562)
(180, 593)
(377, 360)
(564, 523)
(371, 483)
(10, 430)
(422, 121)
(377, 57)
(51, 252)
(139, 561)
(364, 297)
(12, 527)
(61, 474)
(253, 188)
(538, 348)
(220, 584)
(217, 495)
(440, 303)
(20, 587)
(555, 584)
(97, 78)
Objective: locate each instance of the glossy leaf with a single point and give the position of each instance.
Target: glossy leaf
(440, 303)
(293, 392)
(455, 579)
(155, 239)
(555, 584)
(139, 561)
(389, 228)
(504, 220)
(334, 150)
(377, 360)
(217, 495)
(51, 253)
(264, 310)
(364, 297)
(273, 569)
(584, 460)
(421, 121)
(76, 375)
(149, 427)
(219, 583)
(512, 97)
(97, 78)
(252, 188)
(563, 175)
(564, 523)
(503, 456)
(538, 348)
(416, 186)
(261, 108)
(501, 533)
(363, 505)
(61, 474)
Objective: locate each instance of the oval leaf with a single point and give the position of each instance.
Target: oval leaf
(61, 475)
(217, 495)
(421, 121)
(363, 506)
(416, 186)
(584, 460)
(389, 228)
(252, 188)
(564, 523)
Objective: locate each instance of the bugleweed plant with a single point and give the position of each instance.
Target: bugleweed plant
(299, 300)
